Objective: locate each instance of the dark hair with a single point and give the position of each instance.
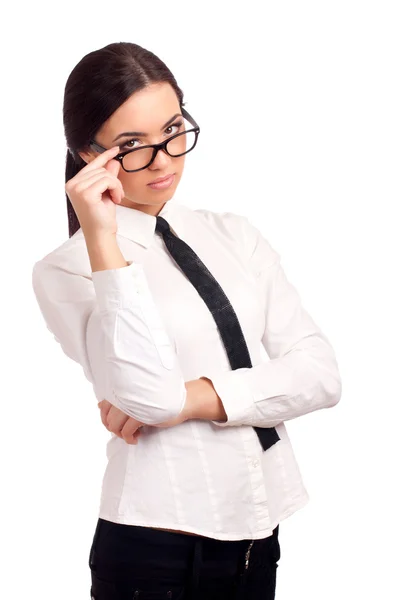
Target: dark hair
(96, 87)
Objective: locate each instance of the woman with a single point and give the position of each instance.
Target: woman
(163, 305)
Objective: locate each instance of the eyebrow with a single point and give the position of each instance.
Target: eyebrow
(126, 133)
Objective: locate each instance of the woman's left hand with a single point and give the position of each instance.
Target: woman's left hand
(126, 427)
(118, 422)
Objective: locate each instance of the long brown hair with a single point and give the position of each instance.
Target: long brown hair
(96, 87)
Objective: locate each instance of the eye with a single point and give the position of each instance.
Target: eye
(128, 146)
(177, 125)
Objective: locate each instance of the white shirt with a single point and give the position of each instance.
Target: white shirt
(141, 331)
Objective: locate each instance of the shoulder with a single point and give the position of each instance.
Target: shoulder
(69, 257)
(229, 224)
(240, 229)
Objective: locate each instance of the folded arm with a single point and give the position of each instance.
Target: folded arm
(110, 325)
(302, 374)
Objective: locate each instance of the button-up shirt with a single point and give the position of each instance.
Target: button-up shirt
(141, 331)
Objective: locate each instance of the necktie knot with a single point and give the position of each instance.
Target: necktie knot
(162, 225)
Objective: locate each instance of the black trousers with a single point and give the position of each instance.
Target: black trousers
(128, 562)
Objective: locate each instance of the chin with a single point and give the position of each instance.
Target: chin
(162, 195)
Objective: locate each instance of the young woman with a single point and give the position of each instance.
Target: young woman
(163, 305)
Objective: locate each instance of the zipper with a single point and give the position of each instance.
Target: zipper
(247, 556)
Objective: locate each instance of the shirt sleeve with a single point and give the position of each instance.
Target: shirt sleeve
(111, 326)
(302, 374)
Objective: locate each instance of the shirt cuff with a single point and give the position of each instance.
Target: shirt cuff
(235, 397)
(119, 288)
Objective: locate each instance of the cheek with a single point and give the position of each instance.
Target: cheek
(177, 167)
(132, 181)
(136, 182)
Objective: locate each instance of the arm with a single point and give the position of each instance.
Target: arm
(302, 375)
(110, 325)
(202, 402)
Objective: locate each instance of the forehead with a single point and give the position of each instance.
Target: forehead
(146, 110)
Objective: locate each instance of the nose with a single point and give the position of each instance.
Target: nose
(161, 160)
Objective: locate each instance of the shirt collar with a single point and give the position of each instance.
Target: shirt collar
(139, 226)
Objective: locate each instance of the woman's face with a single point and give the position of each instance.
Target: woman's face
(145, 111)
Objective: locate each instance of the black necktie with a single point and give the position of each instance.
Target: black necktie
(220, 308)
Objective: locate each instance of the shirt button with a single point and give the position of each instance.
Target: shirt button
(255, 463)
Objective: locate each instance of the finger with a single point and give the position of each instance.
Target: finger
(101, 159)
(116, 419)
(104, 410)
(131, 430)
(89, 178)
(107, 184)
(113, 167)
(130, 427)
(129, 439)
(97, 176)
(104, 406)
(103, 403)
(134, 438)
(85, 175)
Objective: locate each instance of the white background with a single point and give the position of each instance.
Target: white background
(313, 88)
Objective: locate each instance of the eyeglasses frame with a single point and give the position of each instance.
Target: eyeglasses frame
(156, 147)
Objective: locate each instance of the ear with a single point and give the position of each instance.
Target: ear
(87, 156)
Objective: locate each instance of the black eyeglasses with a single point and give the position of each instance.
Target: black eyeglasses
(138, 159)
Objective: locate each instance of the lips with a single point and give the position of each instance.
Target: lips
(160, 179)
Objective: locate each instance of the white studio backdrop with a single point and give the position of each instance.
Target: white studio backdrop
(298, 104)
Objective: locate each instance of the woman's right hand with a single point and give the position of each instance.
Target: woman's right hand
(93, 193)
